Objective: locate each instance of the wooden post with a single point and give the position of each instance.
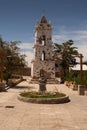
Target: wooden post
(2, 56)
(1, 69)
(81, 70)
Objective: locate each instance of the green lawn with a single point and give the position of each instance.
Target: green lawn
(44, 95)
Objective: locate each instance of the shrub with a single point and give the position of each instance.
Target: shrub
(75, 77)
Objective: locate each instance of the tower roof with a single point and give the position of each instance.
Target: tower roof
(43, 20)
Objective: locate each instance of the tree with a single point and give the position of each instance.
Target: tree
(67, 54)
(2, 58)
(16, 59)
(10, 58)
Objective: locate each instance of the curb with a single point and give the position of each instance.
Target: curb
(45, 100)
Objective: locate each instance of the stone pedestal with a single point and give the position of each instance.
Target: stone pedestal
(42, 84)
(81, 89)
(2, 87)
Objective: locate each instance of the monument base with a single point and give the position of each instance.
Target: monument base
(49, 81)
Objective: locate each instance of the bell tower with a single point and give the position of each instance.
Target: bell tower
(43, 47)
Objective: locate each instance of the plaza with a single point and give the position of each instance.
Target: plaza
(43, 48)
(18, 115)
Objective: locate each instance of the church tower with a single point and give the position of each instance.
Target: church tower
(43, 47)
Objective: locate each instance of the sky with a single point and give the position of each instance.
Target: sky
(68, 18)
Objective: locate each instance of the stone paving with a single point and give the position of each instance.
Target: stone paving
(18, 115)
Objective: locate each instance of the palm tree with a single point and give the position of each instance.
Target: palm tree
(66, 53)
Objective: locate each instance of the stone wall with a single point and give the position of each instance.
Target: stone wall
(47, 66)
(22, 71)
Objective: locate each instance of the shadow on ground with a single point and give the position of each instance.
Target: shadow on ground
(23, 87)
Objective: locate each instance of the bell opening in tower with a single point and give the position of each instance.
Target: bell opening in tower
(43, 40)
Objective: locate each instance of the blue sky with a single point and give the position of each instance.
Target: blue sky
(68, 17)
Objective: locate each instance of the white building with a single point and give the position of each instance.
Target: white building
(77, 67)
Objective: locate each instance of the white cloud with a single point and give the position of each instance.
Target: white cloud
(29, 58)
(26, 45)
(26, 48)
(78, 36)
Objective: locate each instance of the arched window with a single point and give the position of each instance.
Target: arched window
(43, 56)
(43, 40)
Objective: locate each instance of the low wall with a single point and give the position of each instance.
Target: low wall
(64, 99)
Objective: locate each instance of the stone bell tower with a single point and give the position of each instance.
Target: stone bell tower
(43, 47)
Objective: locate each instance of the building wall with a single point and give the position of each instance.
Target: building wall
(47, 66)
(22, 71)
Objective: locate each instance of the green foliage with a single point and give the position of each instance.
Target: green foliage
(6, 76)
(69, 76)
(75, 77)
(67, 54)
(10, 58)
(40, 95)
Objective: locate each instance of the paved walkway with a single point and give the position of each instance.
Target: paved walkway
(18, 115)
